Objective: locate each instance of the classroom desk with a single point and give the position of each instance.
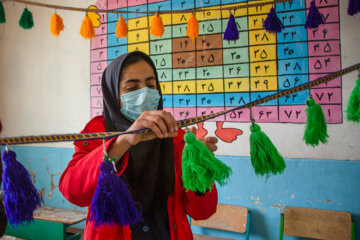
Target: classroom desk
(49, 223)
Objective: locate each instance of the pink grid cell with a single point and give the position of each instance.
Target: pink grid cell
(207, 111)
(95, 79)
(324, 64)
(96, 102)
(114, 4)
(325, 32)
(330, 14)
(332, 83)
(136, 2)
(324, 48)
(98, 55)
(241, 115)
(322, 3)
(95, 91)
(184, 113)
(333, 113)
(327, 95)
(98, 42)
(97, 67)
(102, 29)
(170, 110)
(293, 114)
(265, 113)
(96, 112)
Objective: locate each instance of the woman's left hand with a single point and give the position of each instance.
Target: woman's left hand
(210, 142)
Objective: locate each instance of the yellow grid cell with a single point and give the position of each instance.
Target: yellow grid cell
(259, 84)
(260, 9)
(138, 23)
(184, 87)
(263, 69)
(210, 86)
(236, 84)
(236, 12)
(166, 87)
(262, 53)
(209, 15)
(166, 18)
(180, 18)
(143, 47)
(138, 36)
(261, 37)
(256, 22)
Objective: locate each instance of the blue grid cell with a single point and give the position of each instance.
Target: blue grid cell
(210, 100)
(292, 34)
(115, 52)
(182, 5)
(136, 9)
(184, 100)
(160, 6)
(290, 6)
(236, 99)
(293, 66)
(112, 17)
(259, 95)
(112, 40)
(292, 18)
(167, 100)
(291, 81)
(206, 3)
(292, 50)
(298, 98)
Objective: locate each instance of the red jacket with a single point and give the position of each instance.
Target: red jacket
(79, 180)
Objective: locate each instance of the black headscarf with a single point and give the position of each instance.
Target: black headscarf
(149, 174)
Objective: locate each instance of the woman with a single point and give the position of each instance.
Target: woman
(149, 164)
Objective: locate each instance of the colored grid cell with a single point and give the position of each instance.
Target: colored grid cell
(236, 85)
(96, 102)
(259, 9)
(180, 18)
(102, 29)
(184, 87)
(98, 55)
(333, 83)
(209, 27)
(236, 70)
(97, 67)
(115, 41)
(236, 12)
(210, 86)
(182, 5)
(293, 114)
(138, 36)
(322, 3)
(203, 111)
(143, 47)
(164, 74)
(116, 4)
(114, 17)
(254, 96)
(330, 14)
(236, 55)
(96, 112)
(114, 52)
(256, 22)
(326, 64)
(182, 45)
(166, 19)
(292, 50)
(160, 6)
(241, 23)
(223, 2)
(298, 98)
(333, 113)
(181, 100)
(290, 6)
(262, 53)
(291, 81)
(162, 61)
(208, 14)
(166, 35)
(95, 91)
(179, 31)
(206, 3)
(327, 95)
(161, 46)
(265, 113)
(98, 42)
(236, 99)
(325, 32)
(95, 79)
(324, 48)
(136, 2)
(241, 115)
(184, 113)
(167, 101)
(209, 58)
(292, 34)
(242, 42)
(259, 84)
(209, 72)
(206, 42)
(293, 66)
(184, 74)
(138, 23)
(136, 9)
(166, 87)
(183, 60)
(169, 109)
(210, 100)
(259, 69)
(260, 37)
(292, 18)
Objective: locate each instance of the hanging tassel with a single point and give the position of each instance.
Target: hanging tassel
(316, 128)
(200, 167)
(231, 32)
(314, 18)
(121, 28)
(87, 29)
(272, 23)
(20, 195)
(265, 158)
(353, 108)
(2, 13)
(192, 30)
(354, 7)
(26, 20)
(112, 203)
(157, 26)
(56, 24)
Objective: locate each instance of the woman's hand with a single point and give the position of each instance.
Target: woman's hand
(210, 142)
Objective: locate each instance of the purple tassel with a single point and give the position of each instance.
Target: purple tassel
(354, 7)
(314, 18)
(112, 203)
(231, 32)
(272, 24)
(20, 195)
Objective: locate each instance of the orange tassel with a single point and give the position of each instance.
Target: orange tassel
(56, 24)
(192, 28)
(157, 26)
(121, 28)
(87, 29)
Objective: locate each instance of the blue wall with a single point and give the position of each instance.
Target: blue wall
(324, 184)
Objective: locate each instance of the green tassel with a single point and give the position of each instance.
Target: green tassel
(353, 108)
(200, 167)
(316, 128)
(26, 20)
(265, 158)
(2, 13)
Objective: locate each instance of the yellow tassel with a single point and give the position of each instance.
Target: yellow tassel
(192, 28)
(87, 29)
(56, 24)
(121, 28)
(157, 26)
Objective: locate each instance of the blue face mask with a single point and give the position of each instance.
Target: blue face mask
(136, 102)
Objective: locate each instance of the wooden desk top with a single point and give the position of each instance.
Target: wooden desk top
(59, 215)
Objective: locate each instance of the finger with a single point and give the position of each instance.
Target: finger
(153, 126)
(193, 130)
(159, 121)
(211, 147)
(170, 121)
(211, 139)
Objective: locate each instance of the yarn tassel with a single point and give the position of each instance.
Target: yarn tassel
(272, 23)
(265, 158)
(26, 20)
(354, 7)
(121, 28)
(314, 18)
(56, 24)
(20, 195)
(2, 13)
(87, 29)
(112, 203)
(231, 32)
(353, 108)
(192, 30)
(316, 128)
(200, 167)
(157, 26)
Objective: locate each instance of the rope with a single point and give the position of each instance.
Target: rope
(180, 123)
